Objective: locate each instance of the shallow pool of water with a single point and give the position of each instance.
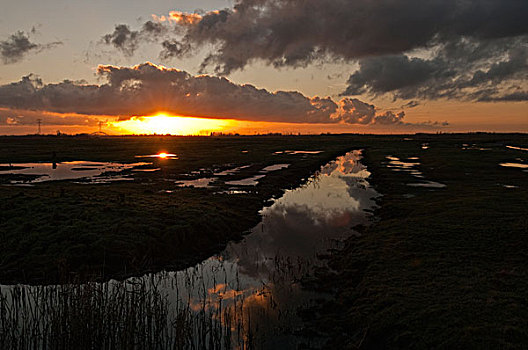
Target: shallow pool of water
(514, 165)
(231, 171)
(161, 155)
(274, 167)
(250, 181)
(430, 184)
(297, 152)
(95, 172)
(203, 182)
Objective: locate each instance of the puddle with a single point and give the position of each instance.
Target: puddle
(274, 167)
(150, 170)
(430, 184)
(161, 155)
(232, 192)
(246, 297)
(396, 164)
(250, 181)
(517, 148)
(474, 146)
(514, 165)
(93, 172)
(425, 146)
(231, 171)
(297, 152)
(203, 182)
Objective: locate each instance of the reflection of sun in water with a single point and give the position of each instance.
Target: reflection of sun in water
(163, 124)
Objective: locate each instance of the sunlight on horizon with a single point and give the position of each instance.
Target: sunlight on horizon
(163, 124)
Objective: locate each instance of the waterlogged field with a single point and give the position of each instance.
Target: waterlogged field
(227, 241)
(247, 296)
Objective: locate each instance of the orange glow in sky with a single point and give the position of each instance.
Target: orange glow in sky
(164, 124)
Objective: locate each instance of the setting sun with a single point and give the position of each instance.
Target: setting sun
(174, 125)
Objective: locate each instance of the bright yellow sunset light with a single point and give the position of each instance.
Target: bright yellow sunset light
(163, 124)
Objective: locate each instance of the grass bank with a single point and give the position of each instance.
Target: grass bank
(439, 268)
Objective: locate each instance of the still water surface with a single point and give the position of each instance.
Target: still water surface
(98, 172)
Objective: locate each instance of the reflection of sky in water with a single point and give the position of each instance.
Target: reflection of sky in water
(250, 181)
(297, 152)
(231, 171)
(274, 167)
(429, 184)
(161, 155)
(517, 148)
(474, 146)
(514, 165)
(66, 170)
(395, 164)
(203, 182)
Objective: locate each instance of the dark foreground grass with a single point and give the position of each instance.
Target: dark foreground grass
(441, 268)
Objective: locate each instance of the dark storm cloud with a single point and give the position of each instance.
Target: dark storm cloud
(18, 45)
(513, 97)
(470, 71)
(294, 33)
(127, 40)
(389, 73)
(148, 89)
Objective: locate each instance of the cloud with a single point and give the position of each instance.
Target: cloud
(24, 118)
(295, 33)
(513, 97)
(19, 45)
(411, 104)
(471, 50)
(127, 40)
(147, 89)
(469, 70)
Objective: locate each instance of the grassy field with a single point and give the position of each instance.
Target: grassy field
(438, 267)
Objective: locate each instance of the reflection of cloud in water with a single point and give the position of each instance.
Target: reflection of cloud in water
(304, 221)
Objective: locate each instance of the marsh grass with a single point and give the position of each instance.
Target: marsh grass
(198, 308)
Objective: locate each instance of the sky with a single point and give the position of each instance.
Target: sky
(256, 66)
